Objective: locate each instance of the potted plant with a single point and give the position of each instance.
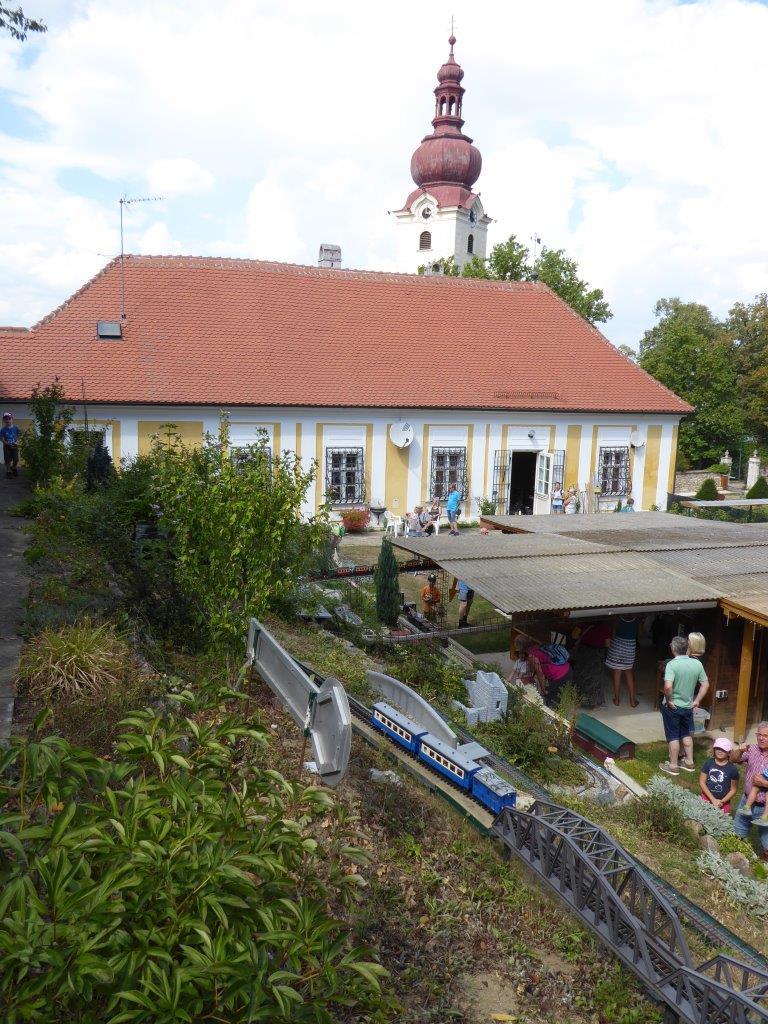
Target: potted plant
(355, 519)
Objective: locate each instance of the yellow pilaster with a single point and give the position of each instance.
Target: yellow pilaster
(651, 471)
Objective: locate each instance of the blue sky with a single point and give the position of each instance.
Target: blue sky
(627, 132)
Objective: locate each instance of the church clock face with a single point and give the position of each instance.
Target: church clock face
(426, 213)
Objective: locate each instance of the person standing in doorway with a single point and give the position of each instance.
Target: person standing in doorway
(557, 498)
(621, 657)
(452, 509)
(755, 757)
(10, 434)
(681, 677)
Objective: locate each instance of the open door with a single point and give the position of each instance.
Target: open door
(542, 495)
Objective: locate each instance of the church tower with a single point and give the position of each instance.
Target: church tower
(443, 217)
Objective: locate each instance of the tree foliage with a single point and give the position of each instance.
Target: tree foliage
(43, 446)
(17, 24)
(178, 880)
(747, 325)
(234, 520)
(511, 261)
(387, 586)
(690, 352)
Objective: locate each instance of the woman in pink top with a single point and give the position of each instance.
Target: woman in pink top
(549, 677)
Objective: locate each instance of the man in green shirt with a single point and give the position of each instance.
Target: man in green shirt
(681, 677)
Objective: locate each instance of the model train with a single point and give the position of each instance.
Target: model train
(473, 778)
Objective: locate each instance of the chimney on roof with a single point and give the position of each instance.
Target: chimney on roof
(330, 257)
(433, 269)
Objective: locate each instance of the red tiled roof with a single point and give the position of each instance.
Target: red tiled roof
(243, 332)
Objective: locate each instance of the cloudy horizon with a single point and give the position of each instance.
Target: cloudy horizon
(626, 132)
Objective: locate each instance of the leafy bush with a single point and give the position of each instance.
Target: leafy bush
(707, 491)
(43, 445)
(713, 821)
(734, 844)
(422, 666)
(486, 507)
(81, 660)
(238, 542)
(746, 892)
(355, 519)
(179, 881)
(718, 467)
(759, 488)
(653, 813)
(387, 586)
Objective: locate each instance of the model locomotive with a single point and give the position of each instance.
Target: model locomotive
(473, 778)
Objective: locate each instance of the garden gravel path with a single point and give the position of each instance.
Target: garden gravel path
(14, 587)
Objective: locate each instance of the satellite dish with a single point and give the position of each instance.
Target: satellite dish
(401, 434)
(636, 439)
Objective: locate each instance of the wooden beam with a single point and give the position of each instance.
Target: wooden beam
(745, 681)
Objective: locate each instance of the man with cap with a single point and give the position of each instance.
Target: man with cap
(430, 598)
(10, 434)
(718, 778)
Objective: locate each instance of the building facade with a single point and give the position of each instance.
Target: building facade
(394, 386)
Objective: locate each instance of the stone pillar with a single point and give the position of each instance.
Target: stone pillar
(727, 460)
(753, 469)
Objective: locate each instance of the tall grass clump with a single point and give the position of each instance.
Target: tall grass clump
(78, 661)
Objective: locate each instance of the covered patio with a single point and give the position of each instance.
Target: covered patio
(548, 574)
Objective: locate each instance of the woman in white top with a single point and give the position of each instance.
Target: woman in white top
(569, 505)
(557, 497)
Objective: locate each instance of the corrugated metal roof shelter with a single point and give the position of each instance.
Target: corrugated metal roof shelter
(495, 544)
(621, 579)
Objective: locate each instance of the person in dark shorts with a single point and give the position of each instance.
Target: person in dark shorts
(466, 597)
(10, 435)
(681, 677)
(718, 778)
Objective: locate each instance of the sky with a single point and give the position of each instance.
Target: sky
(630, 133)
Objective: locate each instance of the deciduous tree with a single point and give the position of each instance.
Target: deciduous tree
(691, 352)
(17, 24)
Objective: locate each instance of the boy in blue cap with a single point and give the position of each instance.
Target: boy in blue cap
(10, 434)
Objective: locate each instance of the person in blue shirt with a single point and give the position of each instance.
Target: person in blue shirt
(630, 505)
(10, 434)
(452, 508)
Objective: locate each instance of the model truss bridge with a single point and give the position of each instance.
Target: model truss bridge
(604, 887)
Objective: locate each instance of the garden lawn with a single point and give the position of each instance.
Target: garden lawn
(648, 757)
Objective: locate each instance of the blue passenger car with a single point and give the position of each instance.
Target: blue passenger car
(403, 730)
(492, 791)
(451, 763)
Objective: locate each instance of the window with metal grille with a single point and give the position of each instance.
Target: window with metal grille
(344, 475)
(449, 466)
(425, 240)
(243, 454)
(613, 471)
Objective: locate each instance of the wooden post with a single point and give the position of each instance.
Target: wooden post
(745, 681)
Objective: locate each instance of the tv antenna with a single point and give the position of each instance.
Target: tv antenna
(124, 201)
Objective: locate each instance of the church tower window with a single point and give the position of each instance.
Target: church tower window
(425, 240)
(471, 244)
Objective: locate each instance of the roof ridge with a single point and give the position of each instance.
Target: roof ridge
(310, 270)
(8, 329)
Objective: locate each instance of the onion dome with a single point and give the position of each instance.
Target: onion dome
(447, 156)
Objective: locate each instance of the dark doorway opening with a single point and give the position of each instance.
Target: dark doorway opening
(522, 482)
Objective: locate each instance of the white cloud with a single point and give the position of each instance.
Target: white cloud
(626, 132)
(178, 177)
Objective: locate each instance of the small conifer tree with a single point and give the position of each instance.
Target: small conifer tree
(759, 488)
(707, 491)
(387, 586)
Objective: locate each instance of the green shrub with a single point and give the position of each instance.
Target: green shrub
(387, 586)
(238, 542)
(654, 814)
(81, 660)
(746, 892)
(707, 491)
(178, 881)
(759, 488)
(718, 467)
(486, 507)
(422, 666)
(734, 844)
(43, 446)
